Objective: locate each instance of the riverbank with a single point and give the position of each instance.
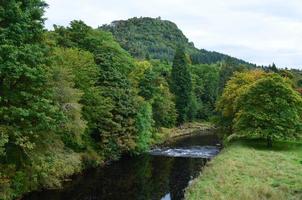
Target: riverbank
(80, 166)
(168, 134)
(145, 176)
(248, 170)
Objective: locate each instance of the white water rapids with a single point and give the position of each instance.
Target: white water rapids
(189, 152)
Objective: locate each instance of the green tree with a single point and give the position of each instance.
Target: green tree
(3, 140)
(26, 106)
(155, 38)
(68, 96)
(151, 78)
(226, 104)
(227, 69)
(144, 125)
(163, 107)
(181, 85)
(205, 86)
(149, 83)
(85, 75)
(117, 132)
(270, 109)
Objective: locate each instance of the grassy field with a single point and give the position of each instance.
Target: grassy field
(248, 170)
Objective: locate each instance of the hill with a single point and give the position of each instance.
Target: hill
(155, 38)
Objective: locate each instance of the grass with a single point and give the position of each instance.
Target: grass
(247, 170)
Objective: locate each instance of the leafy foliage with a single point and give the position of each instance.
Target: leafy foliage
(117, 131)
(26, 107)
(226, 104)
(144, 125)
(69, 74)
(151, 78)
(3, 140)
(261, 105)
(205, 88)
(269, 109)
(154, 38)
(73, 97)
(164, 110)
(227, 70)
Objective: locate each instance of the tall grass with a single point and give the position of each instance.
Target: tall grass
(248, 170)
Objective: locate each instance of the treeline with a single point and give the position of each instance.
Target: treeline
(72, 98)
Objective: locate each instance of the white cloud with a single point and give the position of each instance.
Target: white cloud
(259, 31)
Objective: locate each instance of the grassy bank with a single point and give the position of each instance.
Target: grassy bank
(248, 170)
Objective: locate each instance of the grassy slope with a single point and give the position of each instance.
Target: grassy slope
(247, 170)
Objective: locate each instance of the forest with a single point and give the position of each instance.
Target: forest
(76, 97)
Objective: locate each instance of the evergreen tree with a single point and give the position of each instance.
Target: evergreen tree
(274, 68)
(205, 83)
(181, 85)
(227, 69)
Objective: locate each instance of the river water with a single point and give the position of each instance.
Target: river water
(161, 174)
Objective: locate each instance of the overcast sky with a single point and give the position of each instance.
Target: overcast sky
(259, 31)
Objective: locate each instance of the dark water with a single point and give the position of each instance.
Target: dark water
(162, 174)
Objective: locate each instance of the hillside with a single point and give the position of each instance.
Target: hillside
(155, 38)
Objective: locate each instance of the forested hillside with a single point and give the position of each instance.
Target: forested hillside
(154, 38)
(76, 97)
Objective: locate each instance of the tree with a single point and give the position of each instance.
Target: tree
(181, 85)
(26, 107)
(117, 132)
(146, 38)
(274, 68)
(163, 107)
(205, 87)
(270, 109)
(3, 140)
(144, 126)
(85, 75)
(227, 69)
(226, 104)
(149, 84)
(151, 80)
(74, 75)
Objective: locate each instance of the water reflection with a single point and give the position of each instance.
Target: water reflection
(145, 177)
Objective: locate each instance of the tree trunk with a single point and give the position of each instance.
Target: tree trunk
(269, 141)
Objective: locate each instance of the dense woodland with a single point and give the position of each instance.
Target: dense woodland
(161, 42)
(75, 97)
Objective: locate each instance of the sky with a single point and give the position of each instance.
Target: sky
(258, 31)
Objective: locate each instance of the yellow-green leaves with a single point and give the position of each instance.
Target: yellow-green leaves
(270, 109)
(258, 104)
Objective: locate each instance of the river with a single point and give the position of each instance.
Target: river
(161, 174)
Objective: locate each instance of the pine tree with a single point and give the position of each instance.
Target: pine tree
(274, 68)
(181, 85)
